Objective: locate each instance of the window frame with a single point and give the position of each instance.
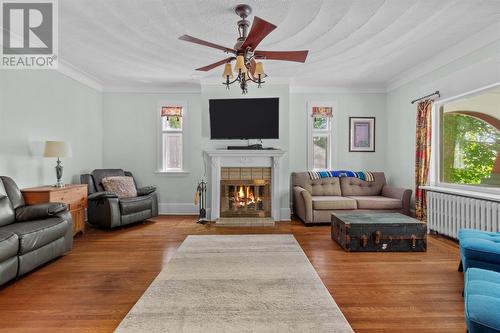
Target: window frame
(183, 133)
(434, 178)
(312, 132)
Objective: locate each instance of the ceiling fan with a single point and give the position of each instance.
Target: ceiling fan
(245, 51)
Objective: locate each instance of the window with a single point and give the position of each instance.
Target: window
(172, 137)
(320, 137)
(469, 141)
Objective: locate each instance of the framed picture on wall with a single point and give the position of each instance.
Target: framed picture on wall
(362, 134)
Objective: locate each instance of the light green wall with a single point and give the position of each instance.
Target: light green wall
(478, 69)
(347, 105)
(130, 141)
(40, 105)
(130, 138)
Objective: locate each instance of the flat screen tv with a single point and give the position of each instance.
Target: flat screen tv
(244, 118)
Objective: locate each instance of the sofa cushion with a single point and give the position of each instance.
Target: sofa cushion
(9, 245)
(482, 300)
(15, 196)
(135, 205)
(474, 233)
(333, 202)
(354, 186)
(480, 252)
(40, 211)
(377, 202)
(35, 234)
(7, 213)
(123, 187)
(322, 186)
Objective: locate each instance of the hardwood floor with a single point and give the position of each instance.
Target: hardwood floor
(92, 288)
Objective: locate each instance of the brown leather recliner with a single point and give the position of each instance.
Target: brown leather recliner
(106, 210)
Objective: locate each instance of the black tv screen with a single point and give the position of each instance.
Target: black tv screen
(244, 118)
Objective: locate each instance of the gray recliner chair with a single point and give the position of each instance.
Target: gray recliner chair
(30, 235)
(106, 210)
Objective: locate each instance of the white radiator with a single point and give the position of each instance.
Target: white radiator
(448, 213)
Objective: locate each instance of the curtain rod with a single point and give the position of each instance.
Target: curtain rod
(426, 96)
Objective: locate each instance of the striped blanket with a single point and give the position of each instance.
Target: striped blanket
(363, 175)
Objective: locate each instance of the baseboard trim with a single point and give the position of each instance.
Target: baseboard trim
(192, 209)
(178, 209)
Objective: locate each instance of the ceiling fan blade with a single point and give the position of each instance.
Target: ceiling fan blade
(195, 40)
(215, 64)
(299, 56)
(260, 29)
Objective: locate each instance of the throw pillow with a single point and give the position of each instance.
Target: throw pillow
(123, 187)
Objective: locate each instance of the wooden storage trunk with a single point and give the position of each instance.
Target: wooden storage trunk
(379, 232)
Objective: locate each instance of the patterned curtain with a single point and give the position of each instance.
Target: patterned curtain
(423, 156)
(171, 111)
(322, 112)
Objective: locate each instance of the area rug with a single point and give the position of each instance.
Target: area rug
(240, 283)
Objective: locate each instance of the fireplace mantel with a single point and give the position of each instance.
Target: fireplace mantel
(244, 158)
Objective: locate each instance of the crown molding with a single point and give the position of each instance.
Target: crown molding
(305, 88)
(157, 89)
(337, 89)
(483, 38)
(294, 88)
(79, 75)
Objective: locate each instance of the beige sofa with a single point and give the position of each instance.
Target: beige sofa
(315, 200)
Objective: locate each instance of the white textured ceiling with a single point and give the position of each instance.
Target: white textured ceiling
(351, 42)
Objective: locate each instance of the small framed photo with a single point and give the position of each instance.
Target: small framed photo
(362, 134)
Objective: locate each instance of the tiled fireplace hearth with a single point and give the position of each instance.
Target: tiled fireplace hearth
(244, 186)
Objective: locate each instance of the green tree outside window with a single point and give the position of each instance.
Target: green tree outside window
(174, 122)
(469, 149)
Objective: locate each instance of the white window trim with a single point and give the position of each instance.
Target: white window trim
(434, 168)
(160, 168)
(311, 132)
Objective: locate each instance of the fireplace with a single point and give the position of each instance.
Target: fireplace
(245, 192)
(245, 186)
(245, 198)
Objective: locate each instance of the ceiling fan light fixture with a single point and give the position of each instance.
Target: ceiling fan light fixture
(240, 64)
(228, 72)
(259, 70)
(245, 51)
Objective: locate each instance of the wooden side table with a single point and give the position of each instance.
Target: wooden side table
(74, 195)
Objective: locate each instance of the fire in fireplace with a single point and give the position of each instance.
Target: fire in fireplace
(250, 198)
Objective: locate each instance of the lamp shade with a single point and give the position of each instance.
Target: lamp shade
(259, 69)
(240, 64)
(228, 71)
(57, 149)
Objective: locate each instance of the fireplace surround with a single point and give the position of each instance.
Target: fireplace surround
(255, 173)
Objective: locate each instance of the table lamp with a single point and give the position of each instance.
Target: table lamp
(57, 149)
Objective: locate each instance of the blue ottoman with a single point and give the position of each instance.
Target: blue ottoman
(482, 301)
(479, 249)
